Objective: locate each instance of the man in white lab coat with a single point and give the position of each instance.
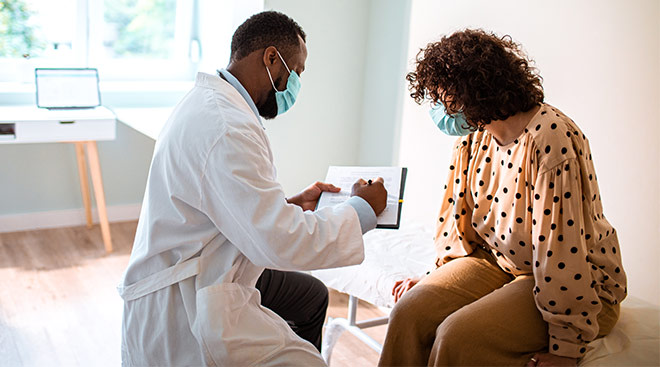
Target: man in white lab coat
(214, 218)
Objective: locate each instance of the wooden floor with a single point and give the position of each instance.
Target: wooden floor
(59, 306)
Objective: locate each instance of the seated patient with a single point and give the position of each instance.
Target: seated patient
(528, 269)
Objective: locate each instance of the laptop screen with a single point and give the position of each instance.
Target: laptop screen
(67, 88)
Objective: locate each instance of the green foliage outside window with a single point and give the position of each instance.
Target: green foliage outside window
(17, 36)
(142, 27)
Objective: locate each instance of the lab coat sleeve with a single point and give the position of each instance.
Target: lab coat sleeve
(368, 220)
(245, 202)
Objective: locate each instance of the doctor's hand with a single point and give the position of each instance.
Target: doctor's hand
(403, 286)
(308, 198)
(373, 192)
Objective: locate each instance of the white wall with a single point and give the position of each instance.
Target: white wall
(600, 61)
(323, 128)
(44, 177)
(349, 109)
(384, 81)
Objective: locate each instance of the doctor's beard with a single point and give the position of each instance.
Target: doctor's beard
(268, 109)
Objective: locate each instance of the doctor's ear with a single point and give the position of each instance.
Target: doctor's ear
(270, 55)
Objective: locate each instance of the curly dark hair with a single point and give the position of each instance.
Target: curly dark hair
(268, 28)
(478, 73)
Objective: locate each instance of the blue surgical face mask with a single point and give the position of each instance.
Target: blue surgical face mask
(286, 98)
(454, 125)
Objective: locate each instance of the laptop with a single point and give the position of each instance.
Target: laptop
(67, 88)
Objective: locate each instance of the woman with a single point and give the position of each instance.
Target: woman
(528, 269)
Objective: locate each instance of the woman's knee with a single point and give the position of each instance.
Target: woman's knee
(465, 326)
(451, 338)
(410, 310)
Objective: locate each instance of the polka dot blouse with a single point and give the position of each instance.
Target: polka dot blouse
(535, 205)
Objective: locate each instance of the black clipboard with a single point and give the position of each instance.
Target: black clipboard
(404, 174)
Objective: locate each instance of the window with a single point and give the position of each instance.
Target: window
(124, 39)
(32, 31)
(134, 28)
(143, 39)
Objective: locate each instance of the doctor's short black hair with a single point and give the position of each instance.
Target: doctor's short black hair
(268, 28)
(485, 76)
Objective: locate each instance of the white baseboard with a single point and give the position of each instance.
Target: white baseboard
(65, 218)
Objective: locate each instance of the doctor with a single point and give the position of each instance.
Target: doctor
(214, 218)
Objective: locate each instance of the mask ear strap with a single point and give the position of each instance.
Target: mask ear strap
(284, 62)
(271, 78)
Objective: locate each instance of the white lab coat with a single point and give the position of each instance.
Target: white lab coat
(212, 219)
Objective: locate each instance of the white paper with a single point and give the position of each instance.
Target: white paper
(344, 177)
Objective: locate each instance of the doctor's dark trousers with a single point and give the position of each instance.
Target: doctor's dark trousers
(300, 299)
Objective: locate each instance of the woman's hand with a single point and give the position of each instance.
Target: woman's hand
(308, 198)
(548, 359)
(403, 286)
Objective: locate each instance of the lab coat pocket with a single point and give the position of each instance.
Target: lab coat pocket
(234, 328)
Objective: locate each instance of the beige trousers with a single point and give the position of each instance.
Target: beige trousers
(469, 312)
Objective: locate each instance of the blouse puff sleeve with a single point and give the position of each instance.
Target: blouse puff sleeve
(564, 291)
(454, 237)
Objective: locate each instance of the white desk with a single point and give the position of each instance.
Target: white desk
(148, 121)
(81, 127)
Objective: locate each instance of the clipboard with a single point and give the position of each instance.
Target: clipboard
(402, 186)
(345, 176)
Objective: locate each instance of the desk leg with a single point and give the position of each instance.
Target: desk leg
(84, 183)
(97, 181)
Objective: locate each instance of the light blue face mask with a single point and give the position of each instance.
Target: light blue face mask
(286, 98)
(454, 125)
